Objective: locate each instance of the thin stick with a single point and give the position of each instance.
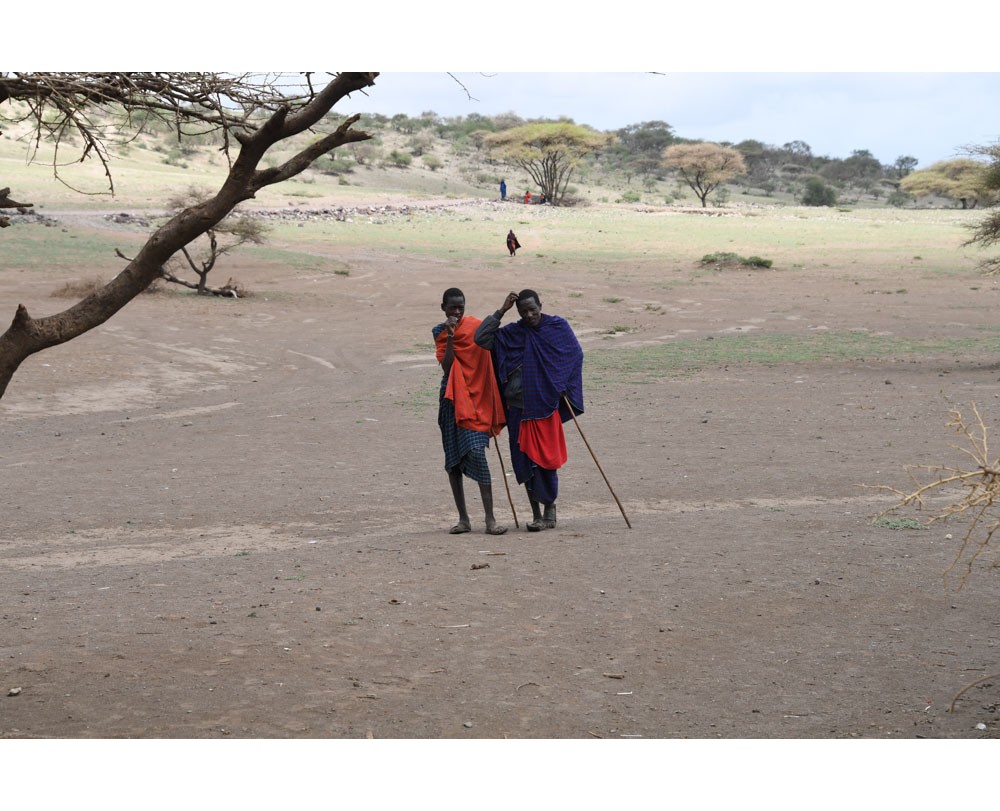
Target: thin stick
(584, 437)
(496, 444)
(967, 687)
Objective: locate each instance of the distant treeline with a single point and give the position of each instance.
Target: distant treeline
(637, 150)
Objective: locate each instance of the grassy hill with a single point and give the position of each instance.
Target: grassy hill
(401, 162)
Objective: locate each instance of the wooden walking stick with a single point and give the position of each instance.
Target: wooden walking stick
(496, 444)
(584, 437)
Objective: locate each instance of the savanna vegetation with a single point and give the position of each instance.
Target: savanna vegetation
(156, 128)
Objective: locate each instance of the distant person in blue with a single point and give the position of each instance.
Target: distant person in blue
(503, 189)
(539, 363)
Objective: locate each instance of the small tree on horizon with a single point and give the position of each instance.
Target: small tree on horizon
(704, 166)
(903, 165)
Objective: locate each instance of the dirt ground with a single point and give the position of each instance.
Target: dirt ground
(229, 518)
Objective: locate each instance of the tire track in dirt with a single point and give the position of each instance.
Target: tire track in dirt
(127, 546)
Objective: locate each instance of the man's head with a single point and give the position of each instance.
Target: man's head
(453, 302)
(529, 307)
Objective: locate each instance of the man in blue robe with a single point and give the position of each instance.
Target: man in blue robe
(539, 363)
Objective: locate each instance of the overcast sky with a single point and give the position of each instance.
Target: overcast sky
(930, 116)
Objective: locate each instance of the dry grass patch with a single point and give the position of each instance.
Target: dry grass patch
(78, 289)
(84, 287)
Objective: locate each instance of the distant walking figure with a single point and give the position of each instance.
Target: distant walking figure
(512, 243)
(503, 189)
(527, 198)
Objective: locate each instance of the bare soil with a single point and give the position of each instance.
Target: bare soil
(229, 518)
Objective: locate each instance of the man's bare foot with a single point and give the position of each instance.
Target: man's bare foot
(493, 528)
(459, 528)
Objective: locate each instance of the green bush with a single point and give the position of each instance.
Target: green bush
(817, 193)
(630, 197)
(721, 197)
(897, 199)
(720, 258)
(401, 160)
(337, 166)
(729, 259)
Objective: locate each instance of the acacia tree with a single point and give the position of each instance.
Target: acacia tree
(961, 179)
(548, 152)
(253, 113)
(986, 233)
(704, 166)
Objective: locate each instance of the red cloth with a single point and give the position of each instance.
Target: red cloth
(544, 442)
(472, 386)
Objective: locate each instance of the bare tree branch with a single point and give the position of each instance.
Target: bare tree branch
(58, 104)
(468, 95)
(191, 97)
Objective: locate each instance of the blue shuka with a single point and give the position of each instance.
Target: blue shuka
(551, 362)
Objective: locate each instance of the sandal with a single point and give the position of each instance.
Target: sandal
(547, 521)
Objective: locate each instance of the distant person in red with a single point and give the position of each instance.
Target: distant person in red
(470, 410)
(527, 198)
(512, 243)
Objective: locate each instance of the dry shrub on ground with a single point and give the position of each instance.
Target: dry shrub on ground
(84, 287)
(78, 289)
(973, 489)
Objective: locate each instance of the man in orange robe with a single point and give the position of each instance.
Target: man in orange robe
(469, 408)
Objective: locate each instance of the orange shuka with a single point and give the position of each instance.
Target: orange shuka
(472, 386)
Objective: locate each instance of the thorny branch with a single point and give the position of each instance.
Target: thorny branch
(59, 105)
(978, 490)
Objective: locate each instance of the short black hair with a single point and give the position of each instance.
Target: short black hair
(526, 294)
(451, 292)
